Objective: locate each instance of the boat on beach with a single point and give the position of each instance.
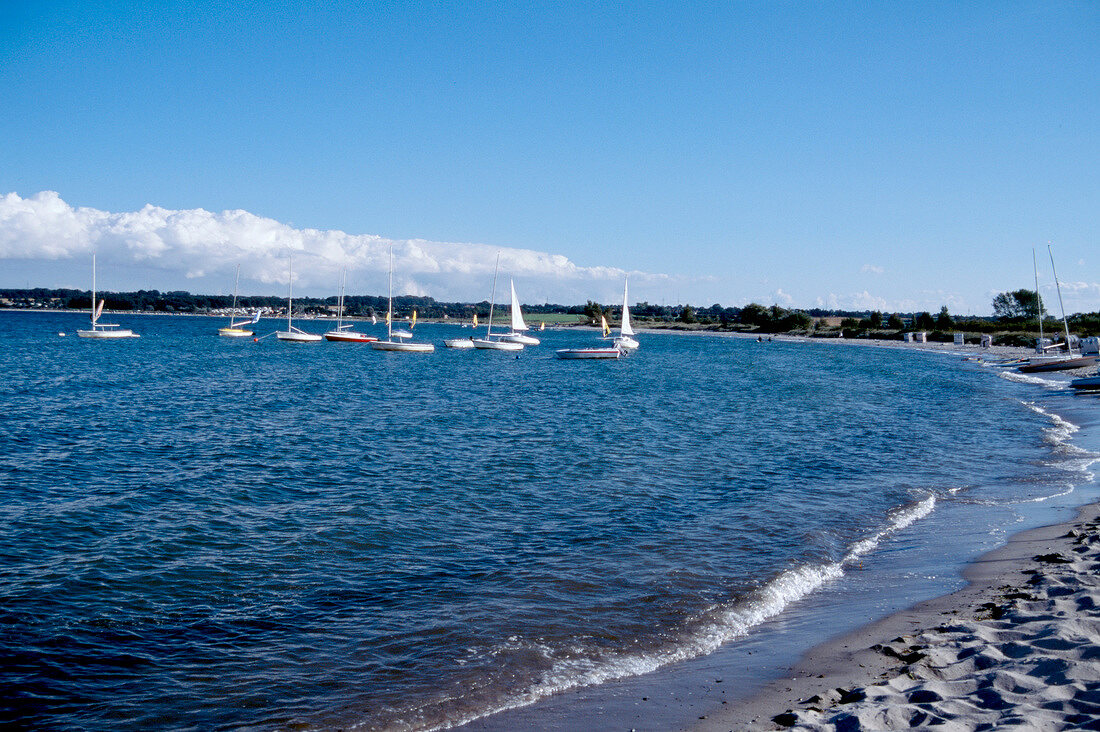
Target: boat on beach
(103, 330)
(499, 344)
(1055, 363)
(343, 333)
(234, 329)
(1087, 383)
(401, 345)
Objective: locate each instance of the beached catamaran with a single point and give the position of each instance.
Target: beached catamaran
(518, 325)
(487, 343)
(1058, 363)
(401, 345)
(234, 330)
(343, 333)
(103, 330)
(292, 334)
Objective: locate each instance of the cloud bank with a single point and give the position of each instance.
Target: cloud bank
(207, 246)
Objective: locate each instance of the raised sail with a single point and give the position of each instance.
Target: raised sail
(518, 326)
(626, 341)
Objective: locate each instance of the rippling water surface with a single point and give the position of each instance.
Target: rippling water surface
(204, 532)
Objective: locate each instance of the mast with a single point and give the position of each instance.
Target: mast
(91, 312)
(1065, 324)
(236, 282)
(340, 306)
(492, 300)
(1038, 301)
(290, 296)
(389, 312)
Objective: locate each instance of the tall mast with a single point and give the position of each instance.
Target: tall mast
(492, 300)
(340, 306)
(1065, 324)
(1038, 300)
(389, 313)
(92, 313)
(236, 282)
(290, 295)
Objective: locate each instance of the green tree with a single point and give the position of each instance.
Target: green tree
(944, 320)
(1016, 305)
(687, 315)
(894, 322)
(924, 321)
(876, 319)
(593, 311)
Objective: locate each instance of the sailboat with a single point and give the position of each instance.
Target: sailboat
(590, 353)
(462, 343)
(343, 333)
(292, 334)
(234, 330)
(487, 343)
(625, 341)
(103, 330)
(401, 345)
(1058, 363)
(518, 326)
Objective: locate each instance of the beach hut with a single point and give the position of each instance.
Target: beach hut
(1090, 346)
(907, 337)
(987, 340)
(959, 339)
(921, 337)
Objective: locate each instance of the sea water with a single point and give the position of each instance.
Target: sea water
(204, 532)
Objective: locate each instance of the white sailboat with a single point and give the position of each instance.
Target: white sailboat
(518, 326)
(293, 334)
(592, 353)
(625, 341)
(234, 330)
(487, 343)
(343, 333)
(103, 330)
(462, 343)
(399, 346)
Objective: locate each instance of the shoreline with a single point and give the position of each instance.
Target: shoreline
(1018, 643)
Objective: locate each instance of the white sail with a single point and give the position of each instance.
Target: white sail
(626, 329)
(517, 314)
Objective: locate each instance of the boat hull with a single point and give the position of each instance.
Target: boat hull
(488, 345)
(587, 353)
(234, 332)
(294, 337)
(1061, 364)
(626, 343)
(397, 347)
(460, 343)
(520, 338)
(344, 336)
(1090, 383)
(108, 334)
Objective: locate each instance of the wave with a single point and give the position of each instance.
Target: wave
(1035, 380)
(709, 631)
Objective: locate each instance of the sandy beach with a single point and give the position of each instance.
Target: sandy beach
(1019, 647)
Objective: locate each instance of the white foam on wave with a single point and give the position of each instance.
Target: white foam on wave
(723, 624)
(1029, 379)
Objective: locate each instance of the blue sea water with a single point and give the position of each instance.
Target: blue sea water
(201, 532)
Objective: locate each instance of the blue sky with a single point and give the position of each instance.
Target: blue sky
(891, 155)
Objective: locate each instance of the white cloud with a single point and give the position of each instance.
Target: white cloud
(201, 244)
(781, 297)
(871, 268)
(854, 301)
